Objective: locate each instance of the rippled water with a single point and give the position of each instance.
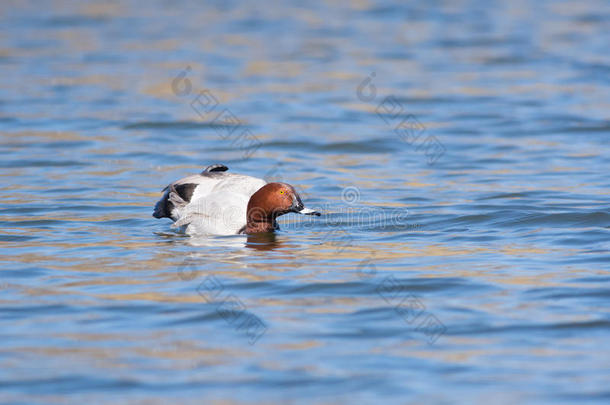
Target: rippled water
(459, 152)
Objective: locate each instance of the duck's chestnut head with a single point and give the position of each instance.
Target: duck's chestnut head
(271, 201)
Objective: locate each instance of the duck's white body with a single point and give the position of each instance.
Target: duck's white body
(212, 202)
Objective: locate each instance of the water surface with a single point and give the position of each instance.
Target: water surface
(458, 150)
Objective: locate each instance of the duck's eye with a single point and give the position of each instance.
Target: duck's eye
(281, 191)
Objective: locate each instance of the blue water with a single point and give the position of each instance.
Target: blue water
(459, 151)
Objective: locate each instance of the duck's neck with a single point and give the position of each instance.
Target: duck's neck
(259, 218)
(266, 225)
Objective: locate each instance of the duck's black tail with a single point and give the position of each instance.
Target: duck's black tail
(163, 207)
(179, 194)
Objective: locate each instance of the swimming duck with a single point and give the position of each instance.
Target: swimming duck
(220, 203)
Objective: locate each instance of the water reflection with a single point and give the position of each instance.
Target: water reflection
(263, 241)
(232, 241)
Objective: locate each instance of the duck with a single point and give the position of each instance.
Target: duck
(215, 202)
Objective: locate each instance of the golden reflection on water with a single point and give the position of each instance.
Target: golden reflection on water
(240, 264)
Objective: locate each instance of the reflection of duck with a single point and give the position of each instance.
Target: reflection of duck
(233, 241)
(220, 203)
(256, 241)
(263, 241)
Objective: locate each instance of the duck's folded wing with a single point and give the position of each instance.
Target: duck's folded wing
(214, 214)
(201, 185)
(187, 188)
